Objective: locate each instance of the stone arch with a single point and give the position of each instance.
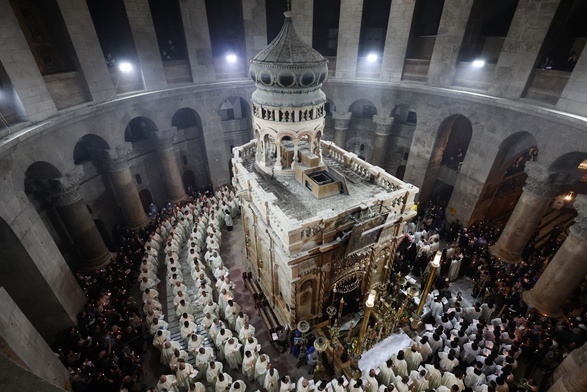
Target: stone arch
(86, 148)
(146, 199)
(138, 129)
(448, 153)
(505, 180)
(189, 121)
(363, 109)
(404, 114)
(234, 108)
(569, 162)
(329, 107)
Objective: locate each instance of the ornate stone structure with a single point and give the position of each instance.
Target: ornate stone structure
(565, 271)
(314, 215)
(541, 186)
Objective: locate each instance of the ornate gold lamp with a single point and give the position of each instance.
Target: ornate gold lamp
(320, 344)
(303, 327)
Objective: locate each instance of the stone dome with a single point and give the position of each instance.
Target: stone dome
(288, 62)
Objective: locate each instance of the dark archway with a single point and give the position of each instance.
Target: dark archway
(146, 199)
(192, 143)
(450, 148)
(138, 129)
(363, 108)
(189, 181)
(400, 171)
(86, 148)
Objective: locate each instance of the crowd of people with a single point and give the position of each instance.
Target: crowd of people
(463, 348)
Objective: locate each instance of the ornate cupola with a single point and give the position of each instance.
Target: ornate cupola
(288, 105)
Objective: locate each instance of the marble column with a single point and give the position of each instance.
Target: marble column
(341, 127)
(540, 188)
(69, 203)
(163, 141)
(566, 270)
(573, 361)
(118, 169)
(382, 131)
(571, 382)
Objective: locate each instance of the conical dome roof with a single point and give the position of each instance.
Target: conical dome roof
(288, 62)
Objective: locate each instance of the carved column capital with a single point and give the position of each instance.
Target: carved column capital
(163, 140)
(579, 228)
(382, 125)
(116, 159)
(341, 120)
(64, 190)
(541, 182)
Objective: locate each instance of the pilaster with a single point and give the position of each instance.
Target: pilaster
(255, 24)
(449, 39)
(197, 38)
(84, 39)
(396, 41)
(526, 34)
(303, 18)
(573, 99)
(349, 32)
(145, 39)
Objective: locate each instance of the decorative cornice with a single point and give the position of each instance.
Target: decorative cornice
(541, 182)
(579, 228)
(64, 190)
(341, 120)
(116, 159)
(382, 125)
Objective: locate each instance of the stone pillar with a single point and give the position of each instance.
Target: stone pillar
(341, 126)
(255, 24)
(566, 270)
(396, 41)
(303, 18)
(72, 209)
(145, 39)
(278, 165)
(518, 55)
(572, 382)
(449, 39)
(349, 32)
(22, 70)
(197, 39)
(573, 361)
(84, 39)
(118, 168)
(382, 131)
(573, 98)
(540, 188)
(163, 141)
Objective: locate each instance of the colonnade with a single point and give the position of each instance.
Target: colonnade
(65, 195)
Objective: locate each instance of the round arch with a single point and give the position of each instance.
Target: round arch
(86, 147)
(189, 120)
(138, 128)
(448, 153)
(404, 114)
(363, 109)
